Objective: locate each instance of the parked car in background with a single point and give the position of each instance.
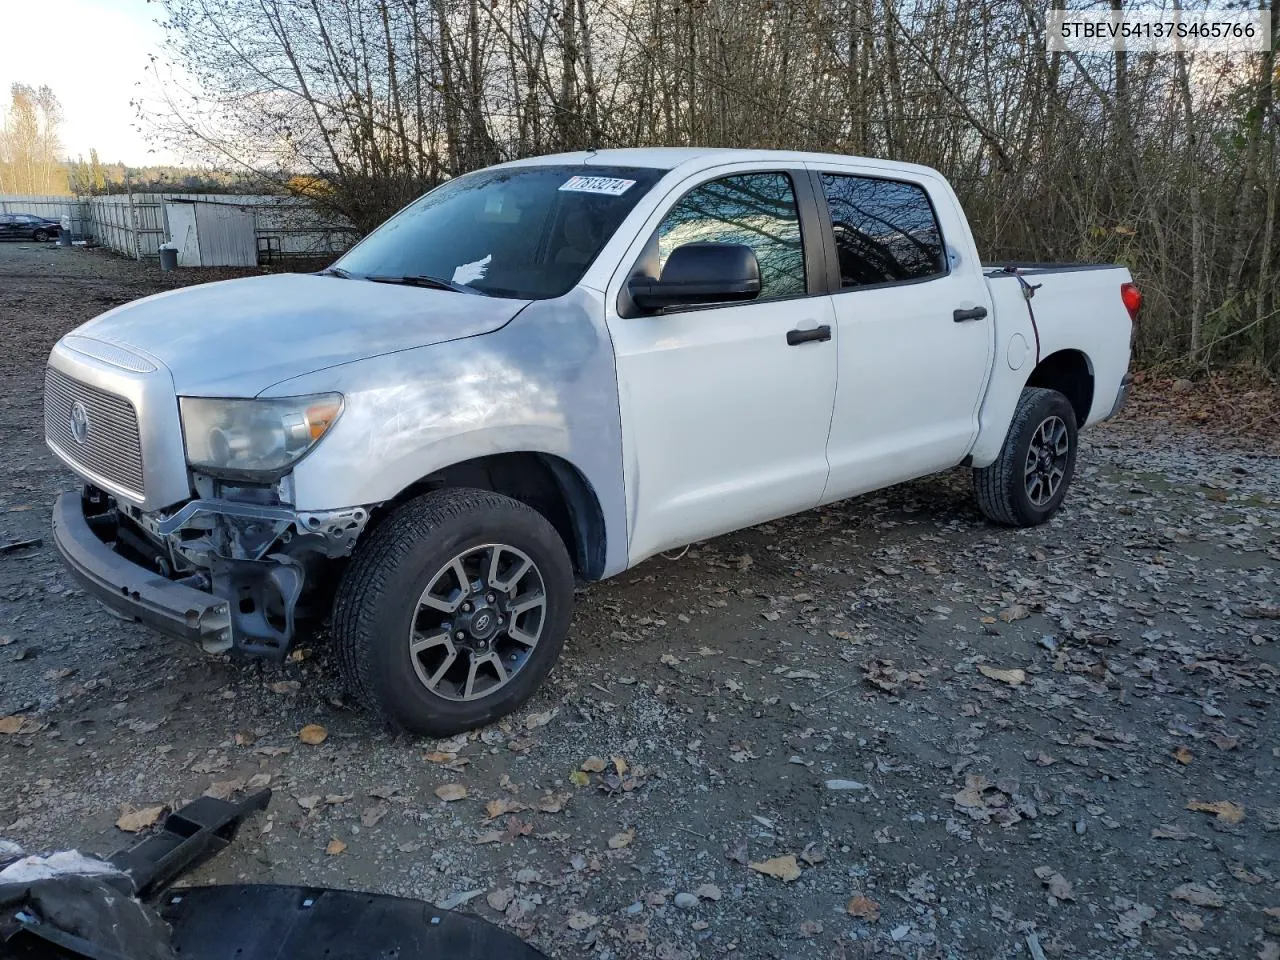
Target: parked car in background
(551, 370)
(27, 226)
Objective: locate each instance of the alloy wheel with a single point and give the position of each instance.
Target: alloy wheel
(478, 621)
(1046, 462)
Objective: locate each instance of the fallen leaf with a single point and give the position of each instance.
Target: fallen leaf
(708, 891)
(500, 899)
(225, 789)
(971, 796)
(335, 847)
(370, 816)
(620, 840)
(1270, 951)
(1059, 886)
(308, 803)
(620, 765)
(579, 779)
(1188, 921)
(517, 828)
(1224, 742)
(1171, 831)
(490, 836)
(1226, 811)
(811, 854)
(783, 868)
(132, 820)
(1130, 922)
(1244, 875)
(1197, 895)
(553, 802)
(450, 792)
(578, 920)
(496, 808)
(1182, 755)
(1013, 677)
(863, 907)
(810, 928)
(313, 734)
(11, 724)
(1015, 612)
(539, 720)
(593, 765)
(285, 686)
(441, 756)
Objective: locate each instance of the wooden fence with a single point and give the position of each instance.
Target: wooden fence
(135, 224)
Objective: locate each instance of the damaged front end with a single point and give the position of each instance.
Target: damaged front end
(257, 565)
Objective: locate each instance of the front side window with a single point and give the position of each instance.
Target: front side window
(885, 230)
(756, 209)
(523, 232)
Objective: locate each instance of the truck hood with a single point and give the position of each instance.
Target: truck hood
(238, 337)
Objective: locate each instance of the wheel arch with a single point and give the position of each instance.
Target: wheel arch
(545, 482)
(1070, 372)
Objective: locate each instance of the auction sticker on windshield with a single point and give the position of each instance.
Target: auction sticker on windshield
(612, 186)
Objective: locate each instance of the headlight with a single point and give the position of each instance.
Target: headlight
(255, 436)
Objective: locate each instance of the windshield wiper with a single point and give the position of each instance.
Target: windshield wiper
(335, 272)
(435, 283)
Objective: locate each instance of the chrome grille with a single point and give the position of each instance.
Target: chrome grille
(110, 447)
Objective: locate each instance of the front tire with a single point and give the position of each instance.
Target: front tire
(1028, 481)
(40, 236)
(454, 611)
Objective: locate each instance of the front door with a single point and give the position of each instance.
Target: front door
(724, 416)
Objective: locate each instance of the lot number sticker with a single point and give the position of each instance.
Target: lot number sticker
(611, 186)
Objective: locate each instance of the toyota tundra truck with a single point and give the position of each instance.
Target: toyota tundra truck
(547, 371)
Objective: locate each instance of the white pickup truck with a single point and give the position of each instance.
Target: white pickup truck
(552, 369)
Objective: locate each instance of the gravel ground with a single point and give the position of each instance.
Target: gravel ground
(881, 728)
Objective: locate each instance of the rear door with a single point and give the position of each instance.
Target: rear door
(725, 409)
(914, 326)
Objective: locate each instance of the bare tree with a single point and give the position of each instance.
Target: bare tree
(30, 151)
(1167, 164)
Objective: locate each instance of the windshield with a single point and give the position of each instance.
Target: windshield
(525, 232)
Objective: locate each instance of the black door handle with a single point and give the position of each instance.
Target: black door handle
(974, 313)
(804, 336)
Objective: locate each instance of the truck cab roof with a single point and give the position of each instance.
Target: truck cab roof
(693, 159)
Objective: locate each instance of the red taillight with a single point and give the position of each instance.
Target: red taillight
(1132, 298)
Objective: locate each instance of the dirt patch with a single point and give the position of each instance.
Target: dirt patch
(882, 728)
(1236, 407)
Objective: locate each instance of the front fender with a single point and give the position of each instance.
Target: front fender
(545, 383)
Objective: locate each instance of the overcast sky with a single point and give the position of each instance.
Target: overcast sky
(93, 53)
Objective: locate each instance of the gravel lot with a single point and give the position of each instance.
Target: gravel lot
(1062, 740)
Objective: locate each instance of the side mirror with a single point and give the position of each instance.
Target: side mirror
(700, 273)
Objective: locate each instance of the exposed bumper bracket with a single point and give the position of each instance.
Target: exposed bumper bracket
(134, 591)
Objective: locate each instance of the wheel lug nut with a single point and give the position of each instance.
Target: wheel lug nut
(489, 598)
(461, 634)
(466, 608)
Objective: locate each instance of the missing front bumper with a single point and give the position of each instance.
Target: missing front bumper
(134, 591)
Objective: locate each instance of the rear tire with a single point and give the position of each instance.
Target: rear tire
(433, 577)
(1028, 481)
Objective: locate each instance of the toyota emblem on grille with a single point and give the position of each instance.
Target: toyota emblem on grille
(79, 422)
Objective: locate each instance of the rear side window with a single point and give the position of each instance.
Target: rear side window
(885, 230)
(758, 209)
